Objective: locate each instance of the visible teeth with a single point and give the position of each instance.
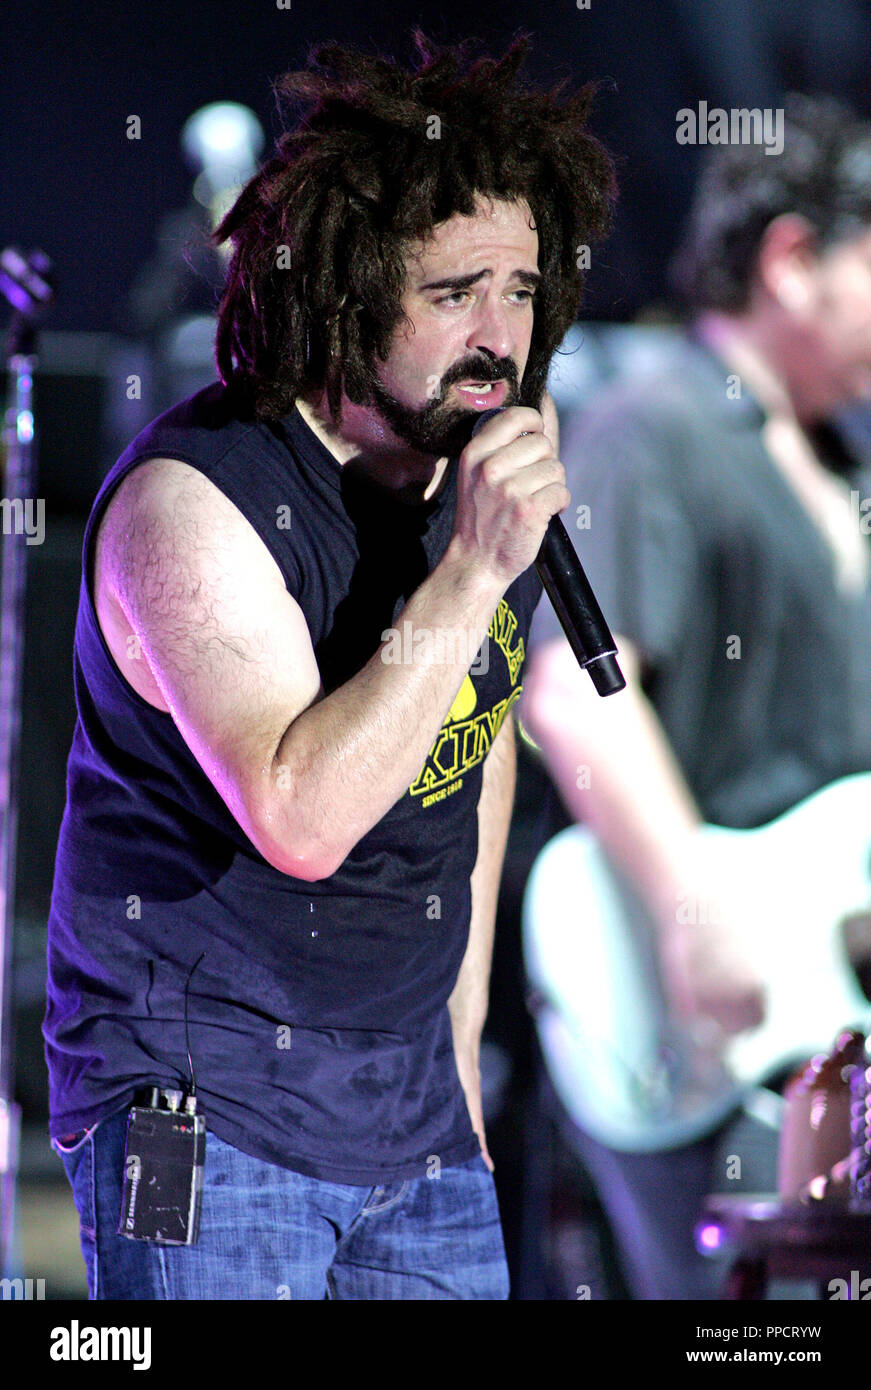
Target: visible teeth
(486, 386)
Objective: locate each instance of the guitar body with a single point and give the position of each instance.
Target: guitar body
(627, 1073)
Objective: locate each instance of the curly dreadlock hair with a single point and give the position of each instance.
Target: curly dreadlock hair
(321, 233)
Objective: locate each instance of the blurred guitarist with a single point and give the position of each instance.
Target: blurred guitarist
(727, 542)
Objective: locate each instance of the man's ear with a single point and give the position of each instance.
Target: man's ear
(547, 410)
(785, 260)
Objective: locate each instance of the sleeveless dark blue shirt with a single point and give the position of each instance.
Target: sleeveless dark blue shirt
(318, 1021)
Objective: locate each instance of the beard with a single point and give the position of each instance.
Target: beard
(441, 428)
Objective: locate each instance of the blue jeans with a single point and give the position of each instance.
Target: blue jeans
(269, 1233)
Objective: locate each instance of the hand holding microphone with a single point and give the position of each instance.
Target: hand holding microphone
(509, 485)
(518, 461)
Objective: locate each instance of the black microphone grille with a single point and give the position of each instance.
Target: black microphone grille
(483, 417)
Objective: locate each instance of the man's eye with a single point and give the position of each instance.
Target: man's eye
(458, 295)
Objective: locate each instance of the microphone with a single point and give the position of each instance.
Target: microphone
(574, 602)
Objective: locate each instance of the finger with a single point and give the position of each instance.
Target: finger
(536, 485)
(554, 496)
(524, 466)
(550, 420)
(501, 430)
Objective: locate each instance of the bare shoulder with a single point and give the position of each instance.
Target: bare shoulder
(162, 506)
(170, 537)
(112, 567)
(180, 572)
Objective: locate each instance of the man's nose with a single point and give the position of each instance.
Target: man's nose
(492, 331)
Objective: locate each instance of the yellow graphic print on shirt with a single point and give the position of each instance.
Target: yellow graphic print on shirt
(467, 732)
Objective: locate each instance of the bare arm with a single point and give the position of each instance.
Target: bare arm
(469, 1001)
(615, 770)
(306, 776)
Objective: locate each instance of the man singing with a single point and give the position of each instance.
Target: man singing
(300, 637)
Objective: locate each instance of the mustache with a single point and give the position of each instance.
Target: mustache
(480, 371)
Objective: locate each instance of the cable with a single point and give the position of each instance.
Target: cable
(187, 1036)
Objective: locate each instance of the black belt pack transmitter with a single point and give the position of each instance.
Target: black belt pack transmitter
(163, 1170)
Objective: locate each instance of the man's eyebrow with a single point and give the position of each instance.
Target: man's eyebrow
(530, 278)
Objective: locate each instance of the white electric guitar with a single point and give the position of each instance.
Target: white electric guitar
(626, 1072)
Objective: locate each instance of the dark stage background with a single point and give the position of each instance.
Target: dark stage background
(73, 73)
